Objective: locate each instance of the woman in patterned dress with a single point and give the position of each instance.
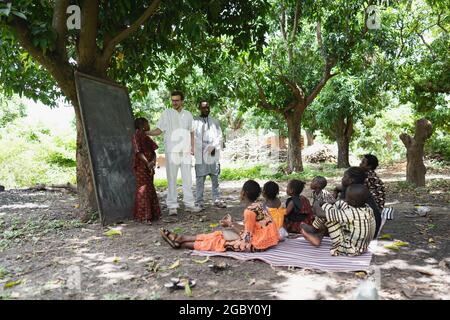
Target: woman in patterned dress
(146, 203)
(376, 187)
(258, 233)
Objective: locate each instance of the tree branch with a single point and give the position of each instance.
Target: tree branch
(426, 44)
(283, 24)
(61, 70)
(320, 42)
(87, 47)
(297, 91)
(406, 139)
(111, 45)
(298, 8)
(263, 99)
(439, 23)
(319, 86)
(59, 25)
(349, 127)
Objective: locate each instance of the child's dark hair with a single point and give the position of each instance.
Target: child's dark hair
(358, 193)
(296, 186)
(357, 174)
(372, 161)
(252, 189)
(271, 190)
(321, 181)
(139, 122)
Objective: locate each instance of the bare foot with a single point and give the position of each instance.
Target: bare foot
(226, 221)
(314, 238)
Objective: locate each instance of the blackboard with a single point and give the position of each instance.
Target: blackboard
(108, 125)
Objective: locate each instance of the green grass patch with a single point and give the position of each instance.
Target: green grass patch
(162, 183)
(17, 230)
(274, 172)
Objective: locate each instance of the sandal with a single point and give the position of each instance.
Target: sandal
(165, 234)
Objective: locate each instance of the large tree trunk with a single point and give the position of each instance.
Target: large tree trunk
(344, 131)
(415, 169)
(309, 138)
(85, 182)
(343, 152)
(294, 159)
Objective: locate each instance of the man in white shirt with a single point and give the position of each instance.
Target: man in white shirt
(176, 124)
(208, 141)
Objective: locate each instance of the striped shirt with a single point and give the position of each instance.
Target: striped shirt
(353, 228)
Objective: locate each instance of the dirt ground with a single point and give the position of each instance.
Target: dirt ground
(46, 253)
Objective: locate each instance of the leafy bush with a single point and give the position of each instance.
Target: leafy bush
(438, 146)
(59, 159)
(46, 158)
(380, 136)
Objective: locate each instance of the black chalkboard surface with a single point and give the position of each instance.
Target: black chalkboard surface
(108, 127)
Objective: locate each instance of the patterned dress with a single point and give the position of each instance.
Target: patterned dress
(302, 213)
(259, 234)
(146, 203)
(376, 188)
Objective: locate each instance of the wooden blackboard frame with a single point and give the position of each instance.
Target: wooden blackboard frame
(108, 214)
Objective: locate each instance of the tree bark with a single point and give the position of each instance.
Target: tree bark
(344, 131)
(85, 182)
(294, 159)
(415, 168)
(343, 152)
(309, 138)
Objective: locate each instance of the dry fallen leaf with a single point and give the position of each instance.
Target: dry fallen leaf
(187, 288)
(113, 232)
(11, 284)
(361, 274)
(176, 264)
(392, 247)
(201, 261)
(425, 272)
(399, 243)
(386, 236)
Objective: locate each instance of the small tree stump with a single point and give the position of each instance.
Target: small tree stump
(415, 169)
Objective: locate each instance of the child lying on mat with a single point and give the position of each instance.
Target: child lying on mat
(258, 233)
(319, 193)
(298, 208)
(350, 223)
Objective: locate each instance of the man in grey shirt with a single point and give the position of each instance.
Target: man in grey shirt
(208, 141)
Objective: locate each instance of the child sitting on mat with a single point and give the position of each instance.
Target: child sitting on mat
(274, 206)
(319, 193)
(298, 208)
(258, 233)
(350, 223)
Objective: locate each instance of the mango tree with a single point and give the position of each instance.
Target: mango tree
(121, 40)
